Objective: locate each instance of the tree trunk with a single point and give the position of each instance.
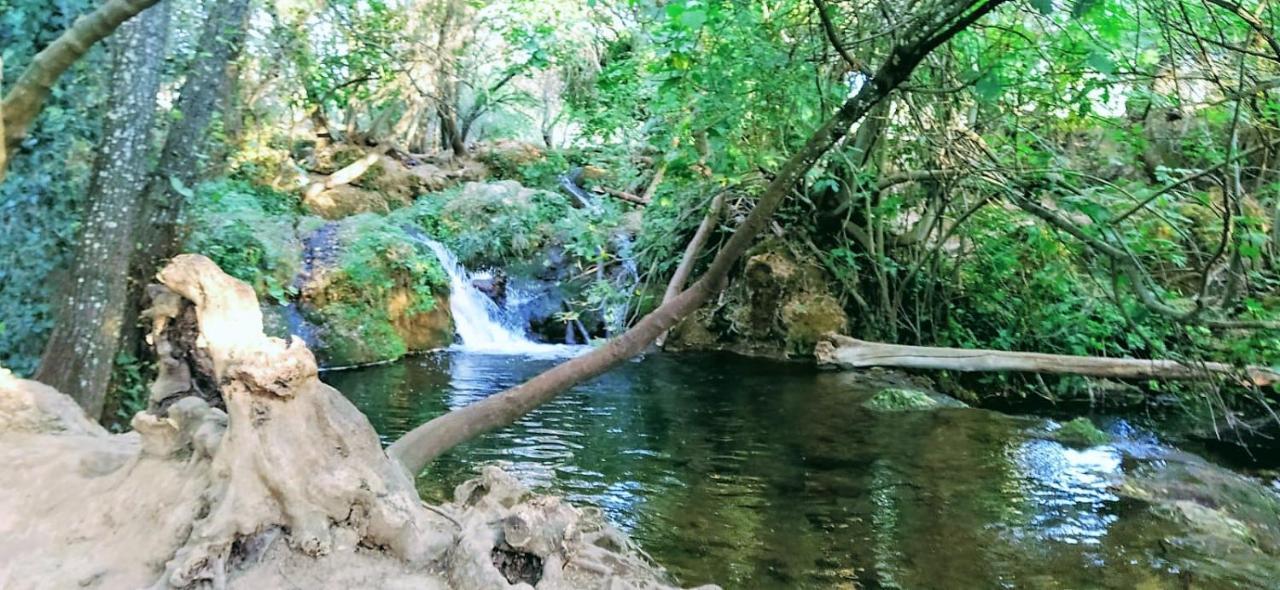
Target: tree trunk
(183, 158)
(79, 355)
(849, 353)
(26, 99)
(421, 445)
(446, 79)
(4, 148)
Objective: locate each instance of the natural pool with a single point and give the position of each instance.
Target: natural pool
(753, 474)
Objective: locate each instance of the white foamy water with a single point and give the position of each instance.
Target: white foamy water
(479, 321)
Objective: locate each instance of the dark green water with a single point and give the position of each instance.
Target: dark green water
(751, 474)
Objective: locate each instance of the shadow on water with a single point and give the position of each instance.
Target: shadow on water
(759, 475)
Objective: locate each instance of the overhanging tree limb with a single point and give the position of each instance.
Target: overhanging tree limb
(939, 22)
(25, 100)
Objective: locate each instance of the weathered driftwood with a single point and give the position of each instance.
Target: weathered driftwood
(626, 196)
(288, 487)
(849, 353)
(347, 175)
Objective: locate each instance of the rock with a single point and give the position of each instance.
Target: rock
(347, 200)
(420, 330)
(1224, 525)
(494, 287)
(777, 308)
(900, 400)
(1080, 432)
(807, 319)
(506, 157)
(371, 292)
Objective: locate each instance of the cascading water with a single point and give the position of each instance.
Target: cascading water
(478, 320)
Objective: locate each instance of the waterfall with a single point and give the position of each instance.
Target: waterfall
(479, 321)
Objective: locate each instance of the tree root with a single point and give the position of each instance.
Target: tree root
(197, 496)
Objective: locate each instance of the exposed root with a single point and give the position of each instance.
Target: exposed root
(288, 483)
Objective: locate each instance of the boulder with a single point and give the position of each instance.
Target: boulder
(778, 307)
(370, 292)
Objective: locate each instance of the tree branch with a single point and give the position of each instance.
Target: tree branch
(26, 99)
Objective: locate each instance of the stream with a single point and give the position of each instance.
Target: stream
(753, 474)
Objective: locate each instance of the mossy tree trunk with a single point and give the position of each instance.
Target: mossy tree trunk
(936, 22)
(79, 355)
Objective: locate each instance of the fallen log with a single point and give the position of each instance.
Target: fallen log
(351, 173)
(843, 352)
(626, 196)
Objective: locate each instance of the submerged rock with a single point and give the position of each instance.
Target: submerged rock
(288, 487)
(895, 399)
(1225, 526)
(1080, 432)
(898, 400)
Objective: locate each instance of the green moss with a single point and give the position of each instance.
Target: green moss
(1081, 432)
(900, 400)
(378, 256)
(357, 334)
(379, 260)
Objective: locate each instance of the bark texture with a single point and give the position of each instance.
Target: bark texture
(937, 22)
(848, 353)
(25, 100)
(182, 158)
(288, 487)
(82, 347)
(4, 147)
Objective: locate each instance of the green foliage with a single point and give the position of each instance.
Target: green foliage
(41, 198)
(493, 223)
(129, 389)
(379, 256)
(249, 232)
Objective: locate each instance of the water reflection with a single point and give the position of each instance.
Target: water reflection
(758, 475)
(1067, 491)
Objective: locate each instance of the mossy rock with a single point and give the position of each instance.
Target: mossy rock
(382, 295)
(1081, 433)
(1224, 524)
(808, 317)
(893, 399)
